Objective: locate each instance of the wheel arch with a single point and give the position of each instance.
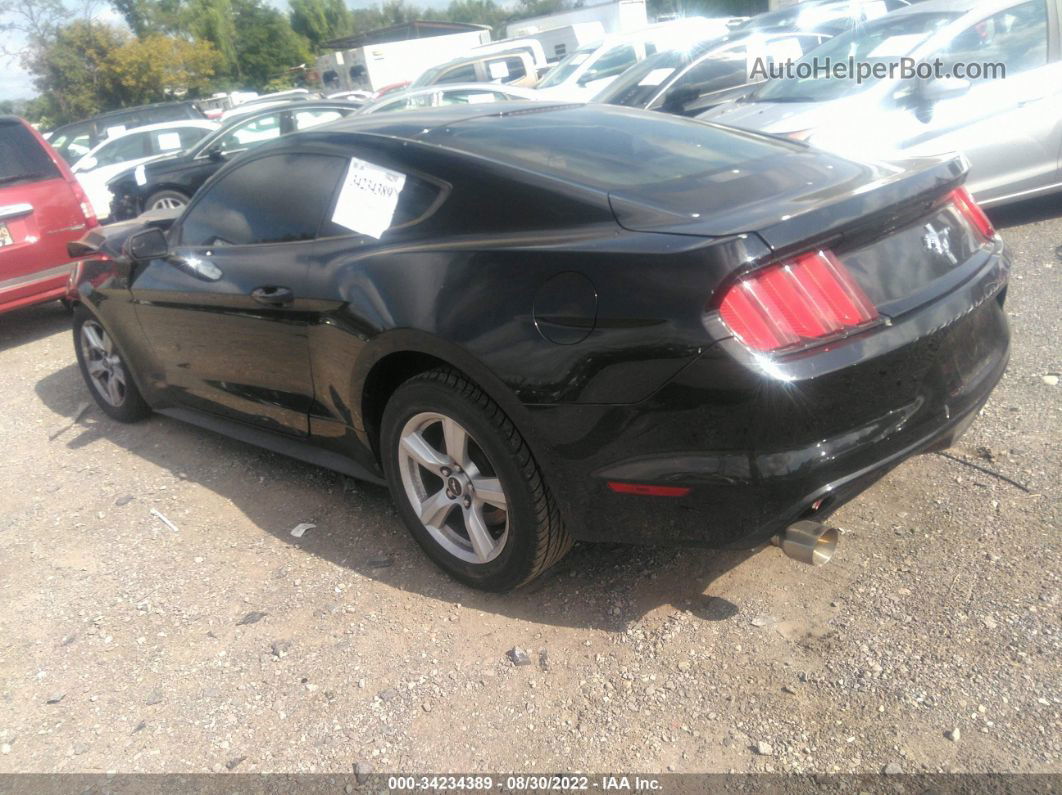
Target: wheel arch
(399, 355)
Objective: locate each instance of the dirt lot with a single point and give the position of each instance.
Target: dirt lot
(931, 643)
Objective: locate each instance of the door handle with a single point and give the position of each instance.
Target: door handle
(273, 296)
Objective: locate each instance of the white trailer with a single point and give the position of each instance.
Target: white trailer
(371, 67)
(559, 43)
(616, 16)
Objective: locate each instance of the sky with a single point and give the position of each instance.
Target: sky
(15, 83)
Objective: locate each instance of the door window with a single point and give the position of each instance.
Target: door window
(1015, 37)
(129, 147)
(612, 63)
(251, 132)
(281, 198)
(506, 70)
(304, 119)
(459, 74)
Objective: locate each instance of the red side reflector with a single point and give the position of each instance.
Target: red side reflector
(811, 296)
(973, 213)
(647, 489)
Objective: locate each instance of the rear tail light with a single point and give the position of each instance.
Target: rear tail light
(86, 205)
(973, 213)
(809, 298)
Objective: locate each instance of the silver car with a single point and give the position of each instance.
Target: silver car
(1010, 128)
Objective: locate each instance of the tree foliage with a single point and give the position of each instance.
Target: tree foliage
(319, 21)
(158, 67)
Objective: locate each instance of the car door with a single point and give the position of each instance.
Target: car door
(1009, 127)
(226, 314)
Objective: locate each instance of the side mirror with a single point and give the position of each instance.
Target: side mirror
(88, 164)
(145, 245)
(943, 88)
(215, 154)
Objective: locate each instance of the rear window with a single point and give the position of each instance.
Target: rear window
(608, 148)
(21, 157)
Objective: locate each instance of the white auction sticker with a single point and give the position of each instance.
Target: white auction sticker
(368, 198)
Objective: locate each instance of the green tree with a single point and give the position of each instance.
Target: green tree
(159, 67)
(319, 21)
(266, 47)
(70, 69)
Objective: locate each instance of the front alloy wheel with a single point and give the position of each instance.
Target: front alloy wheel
(453, 487)
(105, 371)
(103, 364)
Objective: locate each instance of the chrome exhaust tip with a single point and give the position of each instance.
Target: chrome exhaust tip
(807, 542)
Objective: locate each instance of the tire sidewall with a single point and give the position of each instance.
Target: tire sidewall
(513, 564)
(133, 407)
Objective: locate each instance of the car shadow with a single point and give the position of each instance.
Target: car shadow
(31, 323)
(603, 586)
(1043, 208)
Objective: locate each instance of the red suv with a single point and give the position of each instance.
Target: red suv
(42, 208)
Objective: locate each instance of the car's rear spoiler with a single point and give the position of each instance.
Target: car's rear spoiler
(794, 200)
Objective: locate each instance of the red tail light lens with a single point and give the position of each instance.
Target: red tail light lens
(86, 205)
(973, 213)
(809, 297)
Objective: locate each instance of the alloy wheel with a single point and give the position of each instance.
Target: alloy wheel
(167, 203)
(453, 487)
(103, 363)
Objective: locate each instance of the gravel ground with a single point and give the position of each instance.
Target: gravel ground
(931, 643)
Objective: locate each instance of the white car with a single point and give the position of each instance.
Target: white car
(131, 148)
(590, 69)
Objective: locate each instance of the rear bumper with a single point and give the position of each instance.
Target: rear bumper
(758, 443)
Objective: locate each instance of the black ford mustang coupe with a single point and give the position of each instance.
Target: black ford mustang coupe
(540, 324)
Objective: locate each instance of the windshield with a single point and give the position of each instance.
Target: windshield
(566, 68)
(885, 40)
(428, 77)
(639, 84)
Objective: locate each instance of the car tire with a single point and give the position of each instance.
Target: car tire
(105, 370)
(165, 199)
(450, 493)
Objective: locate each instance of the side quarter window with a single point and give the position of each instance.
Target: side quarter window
(416, 198)
(279, 198)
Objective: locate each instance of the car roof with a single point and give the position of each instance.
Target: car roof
(953, 6)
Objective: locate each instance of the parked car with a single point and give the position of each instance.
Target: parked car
(459, 94)
(546, 323)
(691, 80)
(1009, 128)
(73, 141)
(42, 208)
(172, 182)
(825, 16)
(511, 68)
(529, 45)
(588, 70)
(139, 145)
